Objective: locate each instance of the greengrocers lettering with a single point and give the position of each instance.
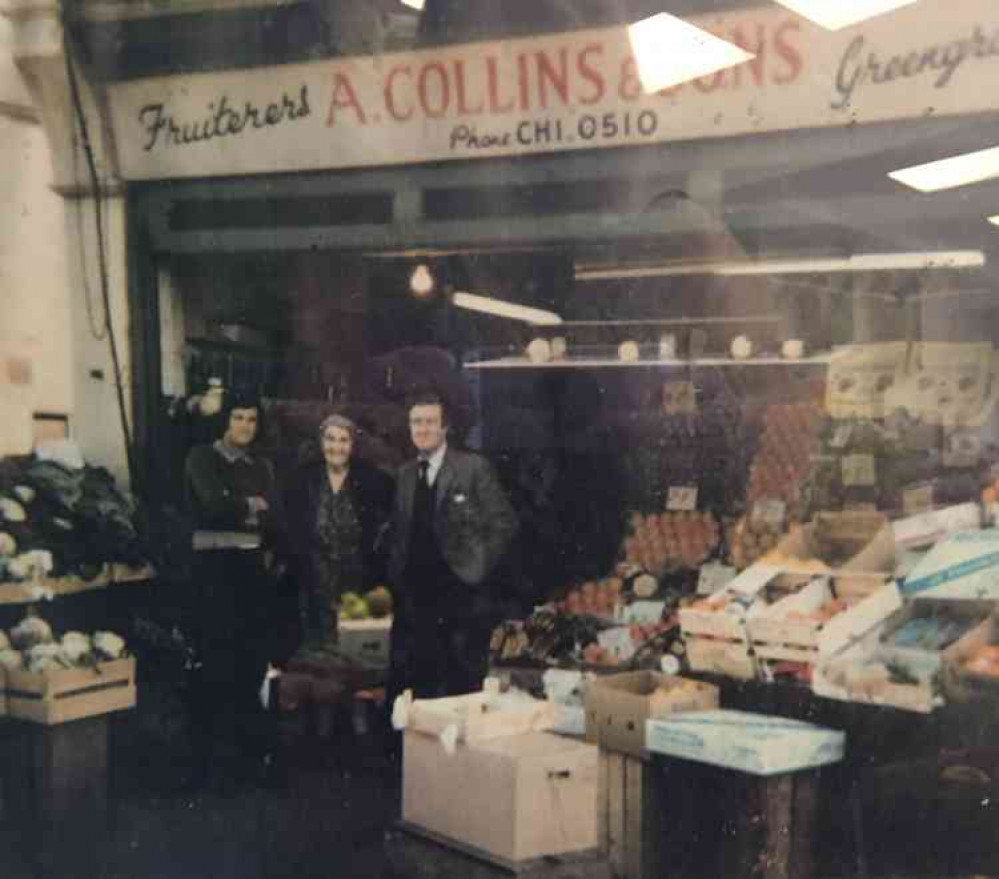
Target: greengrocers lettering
(222, 120)
(862, 66)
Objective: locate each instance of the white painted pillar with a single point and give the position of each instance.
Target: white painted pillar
(39, 53)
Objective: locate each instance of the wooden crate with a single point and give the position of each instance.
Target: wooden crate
(734, 659)
(71, 694)
(631, 827)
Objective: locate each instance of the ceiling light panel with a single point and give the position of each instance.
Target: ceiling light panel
(836, 14)
(670, 51)
(950, 173)
(500, 308)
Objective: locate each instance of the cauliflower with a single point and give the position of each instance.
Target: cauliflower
(109, 645)
(31, 564)
(76, 647)
(11, 660)
(8, 545)
(25, 493)
(46, 657)
(11, 510)
(29, 632)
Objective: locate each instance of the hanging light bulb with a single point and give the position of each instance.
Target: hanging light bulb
(421, 282)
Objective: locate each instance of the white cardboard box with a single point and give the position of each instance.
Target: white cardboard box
(756, 743)
(730, 623)
(513, 798)
(964, 565)
(366, 641)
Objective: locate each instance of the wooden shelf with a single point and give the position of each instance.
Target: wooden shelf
(31, 592)
(615, 363)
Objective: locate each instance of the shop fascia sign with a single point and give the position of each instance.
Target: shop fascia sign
(571, 91)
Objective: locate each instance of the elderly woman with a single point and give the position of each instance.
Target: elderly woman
(336, 510)
(236, 512)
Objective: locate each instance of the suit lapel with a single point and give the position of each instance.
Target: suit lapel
(407, 486)
(444, 479)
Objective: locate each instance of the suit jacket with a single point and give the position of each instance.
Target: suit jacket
(473, 521)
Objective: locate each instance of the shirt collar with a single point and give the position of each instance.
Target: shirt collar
(232, 455)
(435, 461)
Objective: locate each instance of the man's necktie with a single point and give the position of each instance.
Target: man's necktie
(425, 474)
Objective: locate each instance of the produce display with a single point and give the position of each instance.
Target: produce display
(984, 661)
(749, 538)
(33, 646)
(784, 457)
(61, 520)
(546, 636)
(375, 604)
(595, 598)
(666, 541)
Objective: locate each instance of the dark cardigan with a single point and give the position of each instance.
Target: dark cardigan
(371, 492)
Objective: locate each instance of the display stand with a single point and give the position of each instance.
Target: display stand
(32, 591)
(55, 789)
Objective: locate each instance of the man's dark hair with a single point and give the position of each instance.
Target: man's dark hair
(241, 400)
(429, 397)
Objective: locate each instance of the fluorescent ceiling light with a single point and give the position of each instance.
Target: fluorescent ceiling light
(670, 51)
(948, 173)
(994, 220)
(499, 308)
(836, 14)
(867, 262)
(413, 4)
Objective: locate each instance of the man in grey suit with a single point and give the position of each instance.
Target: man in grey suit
(451, 524)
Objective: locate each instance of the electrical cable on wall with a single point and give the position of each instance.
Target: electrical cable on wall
(108, 330)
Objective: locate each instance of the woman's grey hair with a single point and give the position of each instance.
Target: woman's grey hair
(337, 420)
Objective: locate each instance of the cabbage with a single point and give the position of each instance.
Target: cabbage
(109, 645)
(8, 545)
(46, 657)
(30, 632)
(11, 510)
(25, 493)
(76, 647)
(31, 564)
(11, 660)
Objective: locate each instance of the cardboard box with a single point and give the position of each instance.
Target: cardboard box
(366, 641)
(754, 743)
(478, 717)
(960, 682)
(859, 377)
(867, 537)
(512, 798)
(860, 673)
(782, 631)
(71, 694)
(964, 565)
(618, 706)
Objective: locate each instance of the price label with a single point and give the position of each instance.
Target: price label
(771, 511)
(858, 470)
(644, 612)
(918, 499)
(681, 497)
(618, 643)
(713, 578)
(841, 437)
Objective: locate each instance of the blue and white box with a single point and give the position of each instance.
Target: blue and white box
(757, 743)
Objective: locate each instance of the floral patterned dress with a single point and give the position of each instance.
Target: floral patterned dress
(337, 565)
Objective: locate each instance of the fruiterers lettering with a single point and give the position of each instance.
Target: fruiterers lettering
(223, 120)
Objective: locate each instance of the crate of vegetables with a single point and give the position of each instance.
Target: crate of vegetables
(52, 681)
